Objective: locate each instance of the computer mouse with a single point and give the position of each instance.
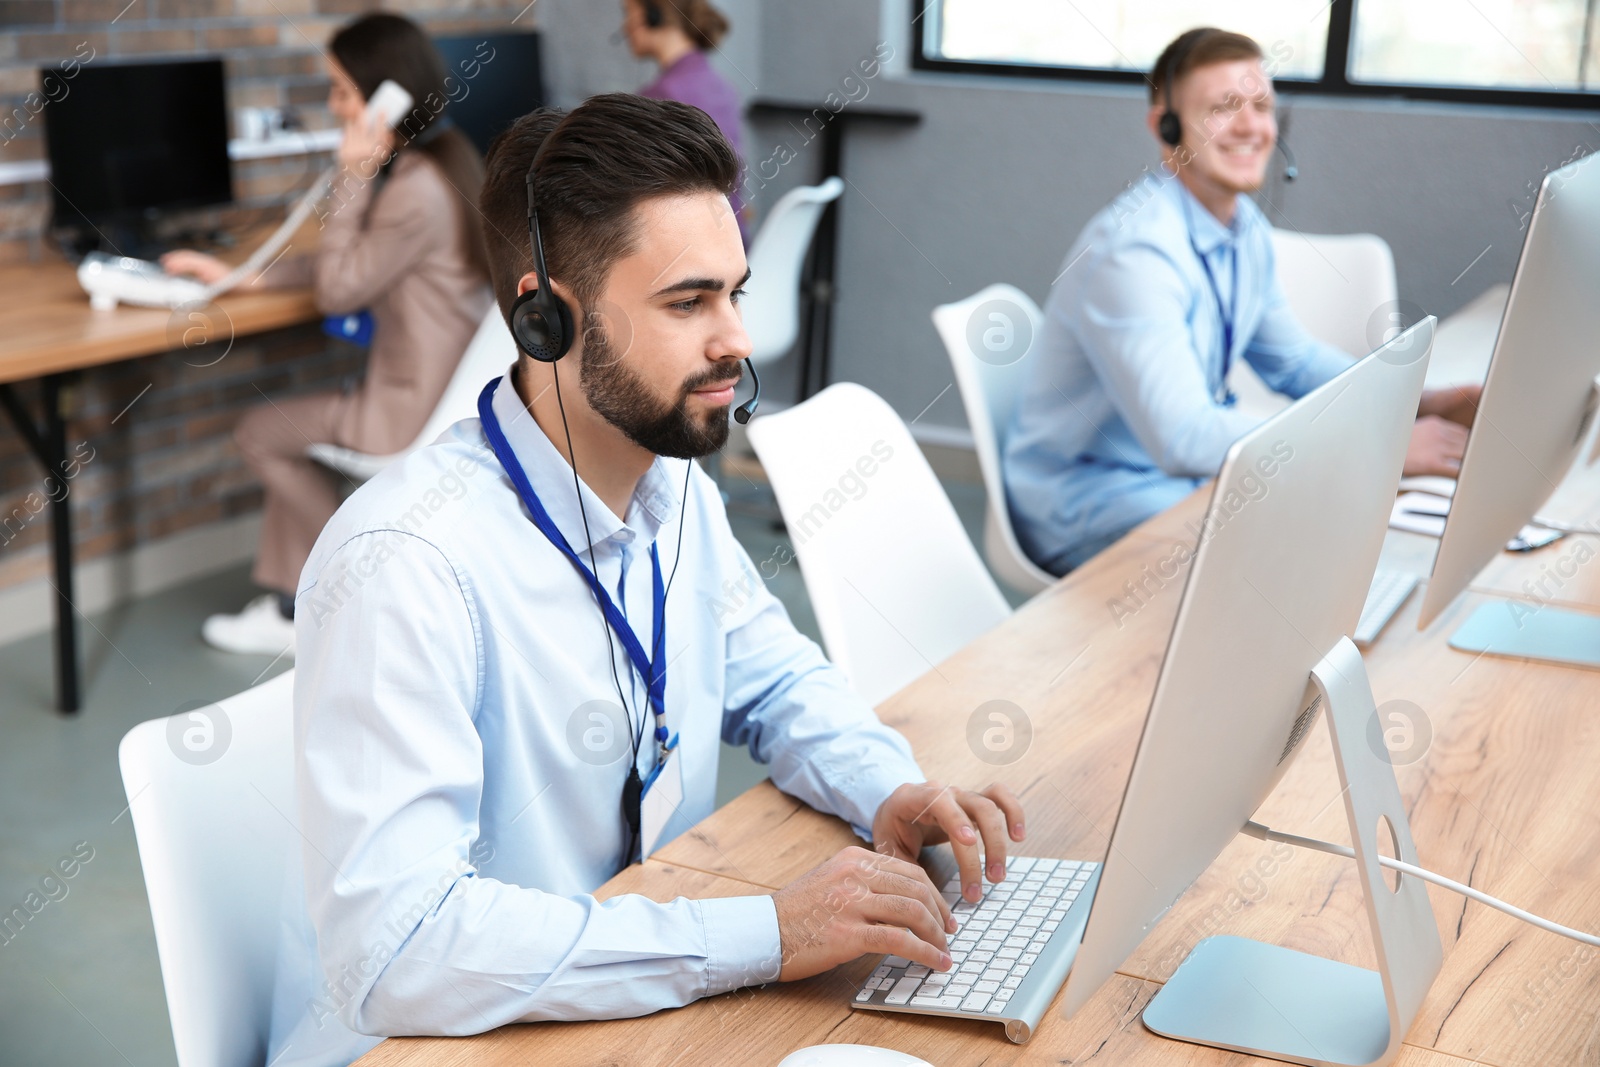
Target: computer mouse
(851, 1056)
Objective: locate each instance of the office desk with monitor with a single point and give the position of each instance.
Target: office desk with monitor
(1498, 774)
(48, 332)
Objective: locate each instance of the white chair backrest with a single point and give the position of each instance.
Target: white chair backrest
(989, 337)
(896, 585)
(209, 792)
(489, 354)
(1336, 284)
(772, 310)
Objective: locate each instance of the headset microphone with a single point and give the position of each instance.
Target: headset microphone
(1291, 170)
(742, 413)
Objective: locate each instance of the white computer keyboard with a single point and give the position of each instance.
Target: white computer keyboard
(1388, 591)
(1010, 955)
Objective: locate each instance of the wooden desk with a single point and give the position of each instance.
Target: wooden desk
(49, 332)
(1504, 796)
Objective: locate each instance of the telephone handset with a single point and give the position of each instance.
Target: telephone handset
(389, 103)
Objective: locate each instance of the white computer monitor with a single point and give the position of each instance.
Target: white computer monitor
(1260, 649)
(1536, 411)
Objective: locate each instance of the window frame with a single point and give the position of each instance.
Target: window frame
(1334, 81)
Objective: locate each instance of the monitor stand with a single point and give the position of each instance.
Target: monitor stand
(1243, 995)
(1531, 630)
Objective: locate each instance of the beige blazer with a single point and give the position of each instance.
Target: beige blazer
(408, 266)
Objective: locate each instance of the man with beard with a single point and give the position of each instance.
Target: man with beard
(516, 668)
(1127, 408)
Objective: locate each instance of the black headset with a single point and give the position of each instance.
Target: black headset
(1170, 127)
(542, 323)
(653, 16)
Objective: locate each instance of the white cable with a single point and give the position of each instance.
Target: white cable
(1265, 833)
(1563, 527)
(240, 274)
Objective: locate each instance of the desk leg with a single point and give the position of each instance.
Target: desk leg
(49, 446)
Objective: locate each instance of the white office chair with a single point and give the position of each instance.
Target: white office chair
(490, 352)
(772, 310)
(989, 383)
(1335, 284)
(213, 842)
(895, 583)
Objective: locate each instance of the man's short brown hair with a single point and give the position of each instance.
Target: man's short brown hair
(604, 157)
(1196, 48)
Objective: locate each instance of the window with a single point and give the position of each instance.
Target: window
(1534, 52)
(1124, 35)
(1510, 44)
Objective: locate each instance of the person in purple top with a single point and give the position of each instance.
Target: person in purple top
(676, 34)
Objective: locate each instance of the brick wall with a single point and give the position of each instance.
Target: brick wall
(169, 462)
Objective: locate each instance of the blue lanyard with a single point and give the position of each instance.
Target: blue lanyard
(654, 673)
(1225, 313)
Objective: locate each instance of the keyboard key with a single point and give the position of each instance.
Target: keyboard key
(975, 1002)
(901, 993)
(996, 1008)
(896, 961)
(882, 971)
(1015, 864)
(937, 980)
(1007, 954)
(917, 971)
(1028, 958)
(1012, 981)
(986, 987)
(863, 996)
(995, 974)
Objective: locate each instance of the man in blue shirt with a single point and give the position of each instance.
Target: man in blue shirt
(1127, 408)
(472, 721)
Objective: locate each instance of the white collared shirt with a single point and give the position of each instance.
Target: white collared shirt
(451, 727)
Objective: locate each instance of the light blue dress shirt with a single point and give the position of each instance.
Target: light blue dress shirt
(1125, 409)
(454, 818)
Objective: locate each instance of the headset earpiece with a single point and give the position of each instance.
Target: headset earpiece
(652, 14)
(541, 322)
(1170, 127)
(543, 332)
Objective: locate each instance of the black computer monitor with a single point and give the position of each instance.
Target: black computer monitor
(133, 140)
(493, 80)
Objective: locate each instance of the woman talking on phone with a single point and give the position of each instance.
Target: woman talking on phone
(401, 240)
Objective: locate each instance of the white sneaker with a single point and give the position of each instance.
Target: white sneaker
(260, 628)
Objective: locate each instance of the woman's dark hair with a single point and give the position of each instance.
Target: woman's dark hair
(604, 157)
(379, 47)
(705, 25)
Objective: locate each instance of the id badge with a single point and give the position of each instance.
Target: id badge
(663, 794)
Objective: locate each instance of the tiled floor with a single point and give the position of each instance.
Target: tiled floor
(79, 981)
